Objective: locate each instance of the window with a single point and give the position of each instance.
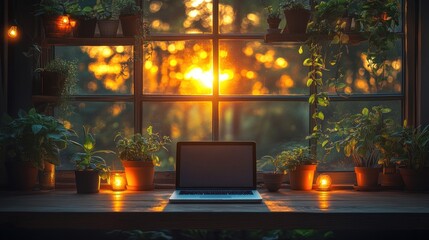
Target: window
(216, 80)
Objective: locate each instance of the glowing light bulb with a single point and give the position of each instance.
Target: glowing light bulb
(12, 32)
(65, 20)
(323, 182)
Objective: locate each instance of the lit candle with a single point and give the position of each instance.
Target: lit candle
(72, 23)
(323, 182)
(13, 32)
(118, 181)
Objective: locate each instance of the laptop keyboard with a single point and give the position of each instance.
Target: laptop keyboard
(216, 192)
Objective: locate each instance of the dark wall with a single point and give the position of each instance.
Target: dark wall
(424, 58)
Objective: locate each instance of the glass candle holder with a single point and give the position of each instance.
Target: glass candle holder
(323, 182)
(118, 181)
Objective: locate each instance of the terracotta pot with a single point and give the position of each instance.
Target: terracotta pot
(139, 174)
(415, 180)
(273, 181)
(302, 177)
(130, 25)
(85, 28)
(108, 28)
(87, 181)
(296, 21)
(21, 175)
(54, 27)
(47, 177)
(52, 83)
(367, 177)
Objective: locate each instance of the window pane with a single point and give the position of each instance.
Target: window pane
(252, 67)
(359, 77)
(187, 16)
(182, 121)
(102, 69)
(179, 68)
(244, 16)
(105, 121)
(337, 161)
(272, 125)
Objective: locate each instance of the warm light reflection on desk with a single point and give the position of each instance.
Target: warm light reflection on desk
(117, 201)
(323, 199)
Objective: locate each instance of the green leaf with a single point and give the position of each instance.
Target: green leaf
(309, 82)
(365, 111)
(36, 128)
(312, 98)
(333, 62)
(324, 143)
(341, 85)
(307, 62)
(320, 115)
(300, 51)
(386, 110)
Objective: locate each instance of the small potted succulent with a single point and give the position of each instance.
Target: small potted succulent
(297, 15)
(360, 136)
(274, 178)
(273, 19)
(89, 166)
(415, 167)
(107, 17)
(300, 165)
(130, 15)
(32, 142)
(138, 154)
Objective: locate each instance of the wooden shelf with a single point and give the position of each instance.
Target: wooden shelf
(95, 41)
(354, 38)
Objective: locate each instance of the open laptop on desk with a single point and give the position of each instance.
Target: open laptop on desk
(216, 172)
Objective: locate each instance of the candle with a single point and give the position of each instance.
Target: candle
(323, 182)
(13, 32)
(118, 181)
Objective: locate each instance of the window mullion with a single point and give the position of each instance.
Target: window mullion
(215, 101)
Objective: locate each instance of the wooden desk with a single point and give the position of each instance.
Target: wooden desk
(287, 209)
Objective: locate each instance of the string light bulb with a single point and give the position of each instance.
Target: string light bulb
(12, 32)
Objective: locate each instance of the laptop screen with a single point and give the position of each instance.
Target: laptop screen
(209, 165)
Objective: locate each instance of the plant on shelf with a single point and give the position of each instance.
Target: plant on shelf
(85, 18)
(273, 19)
(297, 14)
(415, 166)
(59, 78)
(31, 141)
(139, 156)
(131, 17)
(360, 137)
(89, 166)
(274, 178)
(107, 17)
(55, 16)
(300, 164)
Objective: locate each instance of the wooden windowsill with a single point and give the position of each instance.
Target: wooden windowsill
(286, 209)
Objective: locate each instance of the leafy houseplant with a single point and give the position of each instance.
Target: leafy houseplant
(415, 168)
(59, 79)
(86, 20)
(31, 140)
(107, 17)
(52, 12)
(297, 14)
(273, 19)
(89, 166)
(131, 17)
(360, 137)
(139, 156)
(300, 165)
(272, 179)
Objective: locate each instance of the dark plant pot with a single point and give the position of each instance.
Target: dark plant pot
(367, 177)
(130, 25)
(108, 28)
(87, 181)
(302, 177)
(54, 28)
(21, 175)
(296, 21)
(47, 177)
(52, 83)
(85, 28)
(273, 23)
(415, 180)
(273, 181)
(139, 175)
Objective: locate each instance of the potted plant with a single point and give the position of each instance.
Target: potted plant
(297, 15)
(86, 20)
(130, 16)
(32, 142)
(300, 165)
(89, 166)
(107, 18)
(272, 179)
(359, 136)
(273, 20)
(415, 167)
(138, 156)
(54, 17)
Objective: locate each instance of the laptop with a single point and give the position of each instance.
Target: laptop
(216, 172)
